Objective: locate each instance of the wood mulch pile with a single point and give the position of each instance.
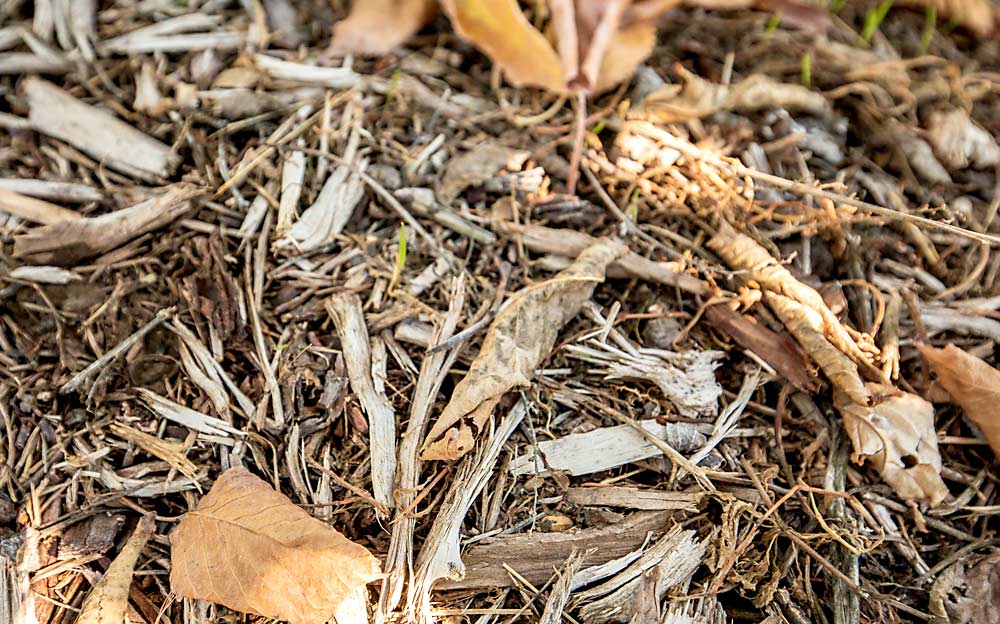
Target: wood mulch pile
(690, 392)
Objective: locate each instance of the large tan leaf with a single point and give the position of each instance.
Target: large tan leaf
(896, 433)
(973, 384)
(251, 549)
(519, 338)
(108, 601)
(377, 26)
(500, 29)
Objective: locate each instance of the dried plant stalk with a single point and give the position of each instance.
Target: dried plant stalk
(345, 310)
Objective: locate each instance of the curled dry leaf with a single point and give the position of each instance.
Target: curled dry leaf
(377, 26)
(892, 429)
(968, 591)
(741, 252)
(519, 338)
(960, 142)
(698, 97)
(108, 601)
(979, 16)
(895, 431)
(973, 384)
(251, 549)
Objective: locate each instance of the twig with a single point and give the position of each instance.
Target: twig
(113, 353)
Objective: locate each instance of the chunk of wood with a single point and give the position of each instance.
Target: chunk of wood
(779, 351)
(535, 555)
(67, 242)
(634, 498)
(332, 77)
(605, 448)
(105, 137)
(52, 190)
(35, 210)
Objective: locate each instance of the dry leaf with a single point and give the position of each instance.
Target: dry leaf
(892, 429)
(968, 591)
(519, 338)
(960, 142)
(251, 549)
(475, 167)
(377, 26)
(743, 253)
(896, 433)
(597, 42)
(778, 350)
(699, 97)
(979, 16)
(500, 29)
(108, 601)
(973, 384)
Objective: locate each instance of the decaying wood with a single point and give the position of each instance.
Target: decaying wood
(35, 210)
(561, 590)
(115, 143)
(687, 379)
(51, 190)
(18, 558)
(66, 242)
(634, 498)
(332, 77)
(605, 448)
(345, 310)
(535, 555)
(399, 561)
(440, 556)
(675, 557)
(107, 602)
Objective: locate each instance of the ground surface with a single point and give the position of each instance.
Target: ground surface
(230, 279)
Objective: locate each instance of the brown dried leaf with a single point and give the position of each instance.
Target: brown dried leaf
(973, 384)
(518, 340)
(979, 16)
(699, 97)
(475, 167)
(778, 350)
(251, 549)
(968, 591)
(896, 433)
(892, 429)
(108, 601)
(377, 26)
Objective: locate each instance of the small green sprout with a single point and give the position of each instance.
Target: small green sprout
(930, 26)
(772, 23)
(873, 19)
(807, 76)
(397, 271)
